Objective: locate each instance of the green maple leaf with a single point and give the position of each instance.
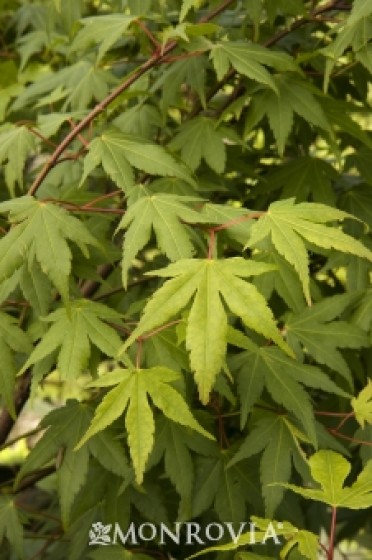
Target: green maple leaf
(360, 9)
(131, 394)
(65, 427)
(282, 376)
(290, 96)
(40, 233)
(289, 224)
(10, 525)
(306, 542)
(303, 177)
(81, 82)
(362, 405)
(73, 330)
(174, 442)
(199, 138)
(218, 486)
(187, 5)
(329, 470)
(205, 281)
(104, 30)
(15, 147)
(274, 436)
(163, 214)
(250, 60)
(283, 280)
(315, 331)
(118, 153)
(12, 339)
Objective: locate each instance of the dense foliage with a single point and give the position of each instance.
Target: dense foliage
(185, 266)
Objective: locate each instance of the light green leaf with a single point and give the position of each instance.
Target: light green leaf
(49, 248)
(362, 405)
(306, 542)
(82, 82)
(329, 470)
(132, 392)
(288, 224)
(16, 145)
(214, 279)
(102, 30)
(360, 9)
(140, 425)
(74, 330)
(187, 5)
(119, 152)
(246, 63)
(162, 213)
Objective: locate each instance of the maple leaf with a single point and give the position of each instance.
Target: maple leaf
(118, 153)
(330, 469)
(205, 281)
(362, 405)
(105, 30)
(314, 330)
(73, 330)
(289, 224)
(10, 524)
(15, 146)
(200, 138)
(40, 231)
(81, 82)
(273, 435)
(250, 60)
(282, 376)
(65, 427)
(163, 214)
(131, 393)
(12, 339)
(290, 96)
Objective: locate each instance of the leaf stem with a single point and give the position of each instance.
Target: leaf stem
(348, 438)
(345, 419)
(211, 243)
(332, 534)
(159, 329)
(102, 197)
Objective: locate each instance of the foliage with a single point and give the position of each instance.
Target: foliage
(185, 275)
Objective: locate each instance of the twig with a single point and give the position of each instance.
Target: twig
(152, 62)
(22, 436)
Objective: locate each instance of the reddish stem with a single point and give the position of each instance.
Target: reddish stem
(250, 216)
(211, 243)
(103, 197)
(158, 330)
(348, 438)
(80, 136)
(333, 414)
(147, 32)
(345, 419)
(332, 534)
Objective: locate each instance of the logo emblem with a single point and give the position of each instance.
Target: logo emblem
(99, 534)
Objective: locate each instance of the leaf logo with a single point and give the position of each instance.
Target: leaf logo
(99, 534)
